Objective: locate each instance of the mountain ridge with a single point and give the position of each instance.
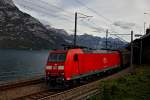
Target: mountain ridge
(19, 30)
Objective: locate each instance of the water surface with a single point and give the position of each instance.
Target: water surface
(21, 64)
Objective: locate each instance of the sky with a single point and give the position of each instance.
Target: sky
(118, 16)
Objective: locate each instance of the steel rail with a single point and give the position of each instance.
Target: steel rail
(37, 91)
(84, 91)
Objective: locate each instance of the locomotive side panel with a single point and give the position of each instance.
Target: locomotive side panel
(91, 63)
(76, 64)
(71, 65)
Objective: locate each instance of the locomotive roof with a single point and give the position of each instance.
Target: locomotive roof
(58, 51)
(98, 51)
(85, 51)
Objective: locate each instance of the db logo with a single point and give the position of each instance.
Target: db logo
(105, 60)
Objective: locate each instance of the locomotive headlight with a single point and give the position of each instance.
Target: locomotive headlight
(61, 67)
(48, 67)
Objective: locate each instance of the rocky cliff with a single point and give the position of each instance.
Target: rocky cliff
(20, 30)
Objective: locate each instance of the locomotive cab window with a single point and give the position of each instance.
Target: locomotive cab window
(57, 57)
(75, 57)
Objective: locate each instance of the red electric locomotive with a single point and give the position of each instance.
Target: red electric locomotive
(72, 64)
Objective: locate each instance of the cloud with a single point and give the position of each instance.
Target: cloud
(99, 29)
(124, 14)
(124, 25)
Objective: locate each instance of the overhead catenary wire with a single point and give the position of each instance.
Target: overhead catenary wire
(44, 10)
(97, 13)
(55, 7)
(61, 9)
(94, 11)
(67, 11)
(65, 16)
(51, 14)
(100, 15)
(49, 5)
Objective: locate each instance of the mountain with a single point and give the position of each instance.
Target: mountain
(20, 30)
(99, 42)
(90, 41)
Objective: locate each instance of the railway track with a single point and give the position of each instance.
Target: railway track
(75, 93)
(20, 83)
(84, 91)
(21, 88)
(37, 96)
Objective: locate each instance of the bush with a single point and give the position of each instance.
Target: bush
(129, 87)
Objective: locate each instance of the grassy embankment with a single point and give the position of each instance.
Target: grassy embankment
(129, 87)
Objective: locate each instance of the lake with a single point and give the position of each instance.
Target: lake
(21, 64)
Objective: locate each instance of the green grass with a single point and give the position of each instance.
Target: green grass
(129, 87)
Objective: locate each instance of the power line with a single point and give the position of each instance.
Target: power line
(29, 2)
(57, 7)
(62, 9)
(94, 11)
(68, 12)
(100, 15)
(47, 13)
(52, 14)
(45, 9)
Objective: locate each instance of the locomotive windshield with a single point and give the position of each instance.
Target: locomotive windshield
(57, 57)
